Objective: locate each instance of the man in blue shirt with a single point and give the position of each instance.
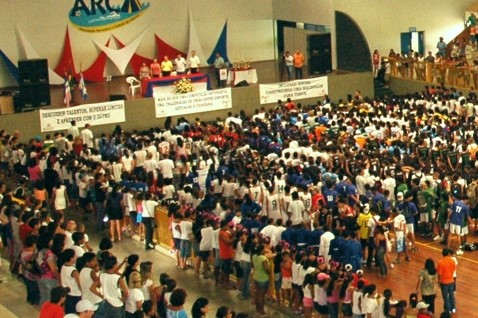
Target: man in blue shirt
(352, 193)
(409, 210)
(249, 207)
(342, 188)
(314, 235)
(458, 213)
(330, 196)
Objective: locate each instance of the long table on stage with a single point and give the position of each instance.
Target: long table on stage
(148, 85)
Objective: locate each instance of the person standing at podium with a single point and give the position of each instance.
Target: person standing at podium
(180, 64)
(218, 65)
(166, 67)
(194, 62)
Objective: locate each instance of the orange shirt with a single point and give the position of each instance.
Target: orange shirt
(40, 194)
(155, 69)
(446, 268)
(361, 141)
(298, 59)
(319, 131)
(286, 269)
(226, 251)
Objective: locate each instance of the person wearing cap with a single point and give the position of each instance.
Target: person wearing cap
(84, 309)
(54, 307)
(423, 310)
(408, 209)
(400, 227)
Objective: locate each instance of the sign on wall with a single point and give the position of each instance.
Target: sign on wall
(93, 114)
(196, 102)
(298, 89)
(105, 15)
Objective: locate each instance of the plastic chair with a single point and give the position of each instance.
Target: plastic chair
(133, 84)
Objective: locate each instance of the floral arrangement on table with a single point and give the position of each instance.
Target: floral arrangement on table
(183, 86)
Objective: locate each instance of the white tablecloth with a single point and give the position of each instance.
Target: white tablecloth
(236, 76)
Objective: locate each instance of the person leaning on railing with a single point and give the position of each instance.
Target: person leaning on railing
(474, 72)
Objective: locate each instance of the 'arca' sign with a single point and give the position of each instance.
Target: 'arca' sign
(104, 15)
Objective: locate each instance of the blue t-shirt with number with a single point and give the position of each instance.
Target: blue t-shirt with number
(459, 211)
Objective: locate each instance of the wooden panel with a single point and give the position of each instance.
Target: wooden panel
(162, 233)
(6, 105)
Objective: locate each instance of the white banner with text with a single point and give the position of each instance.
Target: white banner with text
(298, 89)
(93, 114)
(196, 102)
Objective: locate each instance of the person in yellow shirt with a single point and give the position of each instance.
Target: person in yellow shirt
(364, 230)
(166, 67)
(298, 64)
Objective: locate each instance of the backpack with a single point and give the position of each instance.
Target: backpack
(422, 201)
(33, 265)
(471, 194)
(457, 190)
(469, 247)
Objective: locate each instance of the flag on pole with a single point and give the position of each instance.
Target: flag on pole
(67, 99)
(82, 87)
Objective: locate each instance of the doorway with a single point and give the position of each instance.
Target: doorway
(319, 53)
(412, 41)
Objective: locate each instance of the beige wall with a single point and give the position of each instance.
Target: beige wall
(403, 86)
(250, 29)
(140, 114)
(320, 12)
(383, 21)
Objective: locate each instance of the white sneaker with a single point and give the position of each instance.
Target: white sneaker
(459, 252)
(437, 238)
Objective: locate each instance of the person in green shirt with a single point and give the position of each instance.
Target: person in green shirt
(426, 199)
(260, 264)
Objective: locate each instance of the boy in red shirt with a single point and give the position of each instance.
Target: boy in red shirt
(54, 307)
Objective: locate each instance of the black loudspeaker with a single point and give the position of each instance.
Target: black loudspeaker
(320, 53)
(35, 95)
(242, 84)
(117, 97)
(34, 71)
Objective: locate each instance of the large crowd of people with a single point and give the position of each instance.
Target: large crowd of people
(299, 202)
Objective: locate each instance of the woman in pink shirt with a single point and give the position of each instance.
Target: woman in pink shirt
(34, 172)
